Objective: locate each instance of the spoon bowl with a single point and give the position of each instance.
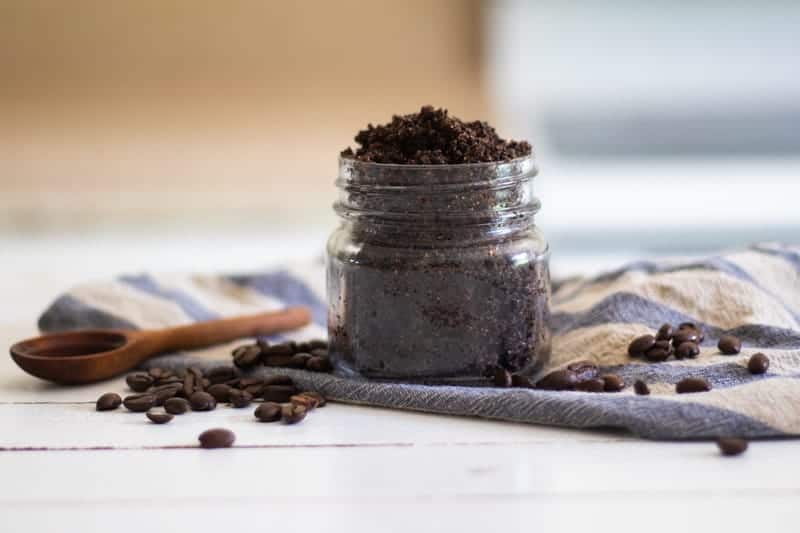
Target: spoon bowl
(77, 357)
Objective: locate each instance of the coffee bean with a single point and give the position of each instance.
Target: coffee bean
(278, 349)
(220, 392)
(139, 381)
(320, 352)
(687, 350)
(590, 385)
(188, 385)
(687, 385)
(108, 402)
(303, 347)
(319, 364)
(640, 345)
(292, 413)
(199, 381)
(217, 438)
(664, 333)
(697, 329)
(729, 345)
(176, 406)
(583, 370)
(164, 392)
(613, 383)
(139, 403)
(758, 363)
(685, 335)
(202, 401)
(299, 360)
(320, 344)
(279, 393)
(256, 390)
(171, 380)
(641, 388)
(246, 356)
(268, 412)
(159, 373)
(731, 445)
(278, 379)
(220, 374)
(319, 398)
(249, 382)
(305, 400)
(522, 382)
(657, 355)
(558, 380)
(239, 398)
(263, 344)
(502, 377)
(279, 360)
(159, 418)
(662, 345)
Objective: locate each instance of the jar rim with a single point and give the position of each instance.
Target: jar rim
(351, 161)
(368, 176)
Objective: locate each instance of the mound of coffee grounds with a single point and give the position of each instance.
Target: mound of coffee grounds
(432, 137)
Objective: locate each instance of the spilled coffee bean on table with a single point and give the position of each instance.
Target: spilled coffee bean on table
(196, 390)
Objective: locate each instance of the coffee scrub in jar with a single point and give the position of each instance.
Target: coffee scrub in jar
(437, 272)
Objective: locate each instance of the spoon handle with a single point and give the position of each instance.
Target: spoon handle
(212, 332)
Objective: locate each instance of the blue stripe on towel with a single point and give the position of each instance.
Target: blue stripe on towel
(68, 313)
(787, 254)
(621, 307)
(715, 263)
(287, 288)
(193, 309)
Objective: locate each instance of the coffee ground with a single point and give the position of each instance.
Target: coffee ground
(431, 137)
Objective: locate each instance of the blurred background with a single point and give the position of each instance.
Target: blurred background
(191, 135)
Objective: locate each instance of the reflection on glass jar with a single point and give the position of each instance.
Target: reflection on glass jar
(437, 272)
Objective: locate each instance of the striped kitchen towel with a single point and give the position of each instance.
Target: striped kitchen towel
(753, 294)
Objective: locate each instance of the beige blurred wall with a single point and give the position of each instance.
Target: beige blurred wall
(109, 107)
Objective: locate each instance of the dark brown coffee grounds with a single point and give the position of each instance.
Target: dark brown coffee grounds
(432, 137)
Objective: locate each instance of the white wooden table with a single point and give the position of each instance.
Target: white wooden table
(65, 467)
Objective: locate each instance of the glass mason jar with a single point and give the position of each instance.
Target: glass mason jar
(437, 273)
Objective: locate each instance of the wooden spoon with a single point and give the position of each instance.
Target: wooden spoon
(85, 356)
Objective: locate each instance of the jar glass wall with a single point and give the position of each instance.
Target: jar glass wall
(437, 273)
